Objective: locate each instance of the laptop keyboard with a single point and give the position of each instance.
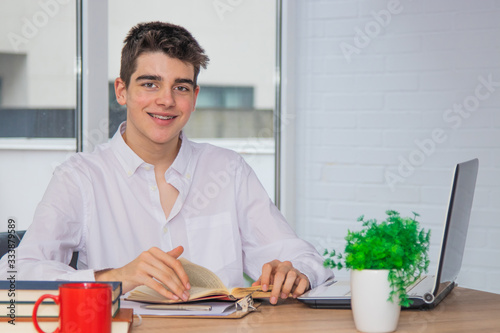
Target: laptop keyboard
(423, 285)
(331, 289)
(341, 288)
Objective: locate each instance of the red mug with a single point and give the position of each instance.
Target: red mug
(83, 307)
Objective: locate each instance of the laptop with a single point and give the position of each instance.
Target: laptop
(429, 290)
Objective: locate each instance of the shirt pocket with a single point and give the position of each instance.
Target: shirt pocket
(211, 241)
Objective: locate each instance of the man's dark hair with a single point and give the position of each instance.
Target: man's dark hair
(173, 40)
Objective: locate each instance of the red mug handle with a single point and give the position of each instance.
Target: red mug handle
(35, 310)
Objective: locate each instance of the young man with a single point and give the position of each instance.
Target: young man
(136, 204)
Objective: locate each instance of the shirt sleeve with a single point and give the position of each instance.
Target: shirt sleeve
(267, 236)
(56, 232)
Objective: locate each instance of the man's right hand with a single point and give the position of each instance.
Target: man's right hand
(151, 268)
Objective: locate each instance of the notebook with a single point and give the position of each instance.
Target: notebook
(430, 290)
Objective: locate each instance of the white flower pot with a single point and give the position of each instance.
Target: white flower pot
(371, 310)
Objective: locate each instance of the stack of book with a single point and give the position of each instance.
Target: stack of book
(18, 300)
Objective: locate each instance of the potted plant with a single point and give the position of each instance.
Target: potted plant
(393, 253)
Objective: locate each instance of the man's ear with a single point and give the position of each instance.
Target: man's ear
(196, 91)
(120, 91)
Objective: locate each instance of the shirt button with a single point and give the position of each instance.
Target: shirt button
(165, 230)
(153, 188)
(188, 175)
(147, 168)
(129, 173)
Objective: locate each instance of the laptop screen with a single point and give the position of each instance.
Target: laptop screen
(455, 233)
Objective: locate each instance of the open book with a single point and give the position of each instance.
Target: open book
(204, 285)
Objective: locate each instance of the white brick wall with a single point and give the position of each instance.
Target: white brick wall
(356, 120)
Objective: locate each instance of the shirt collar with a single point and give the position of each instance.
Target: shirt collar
(181, 162)
(130, 161)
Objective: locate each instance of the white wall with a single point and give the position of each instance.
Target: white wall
(359, 115)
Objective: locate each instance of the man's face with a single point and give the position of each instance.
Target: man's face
(160, 98)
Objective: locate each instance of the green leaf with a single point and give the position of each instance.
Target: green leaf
(397, 243)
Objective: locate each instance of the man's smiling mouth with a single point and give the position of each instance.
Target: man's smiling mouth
(161, 117)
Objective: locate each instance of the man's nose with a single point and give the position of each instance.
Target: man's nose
(165, 97)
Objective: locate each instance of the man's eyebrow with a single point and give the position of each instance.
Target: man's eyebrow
(149, 77)
(159, 78)
(188, 81)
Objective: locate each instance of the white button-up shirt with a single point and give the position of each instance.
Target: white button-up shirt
(106, 206)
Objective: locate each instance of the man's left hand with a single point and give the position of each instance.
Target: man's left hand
(284, 278)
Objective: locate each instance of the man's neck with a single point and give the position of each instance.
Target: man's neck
(160, 155)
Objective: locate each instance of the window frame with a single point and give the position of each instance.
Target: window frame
(92, 74)
(285, 112)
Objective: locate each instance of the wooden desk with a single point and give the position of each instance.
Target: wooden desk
(464, 310)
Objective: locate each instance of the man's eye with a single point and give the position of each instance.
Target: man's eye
(149, 85)
(183, 89)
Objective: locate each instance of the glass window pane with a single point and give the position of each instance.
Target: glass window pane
(37, 100)
(225, 97)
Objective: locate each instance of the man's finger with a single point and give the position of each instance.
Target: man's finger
(176, 252)
(156, 264)
(257, 283)
(291, 279)
(265, 278)
(158, 287)
(279, 278)
(175, 264)
(301, 287)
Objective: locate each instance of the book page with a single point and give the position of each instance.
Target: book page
(202, 277)
(146, 294)
(203, 283)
